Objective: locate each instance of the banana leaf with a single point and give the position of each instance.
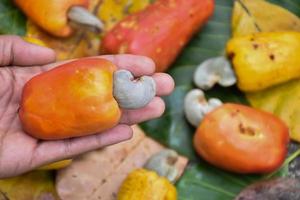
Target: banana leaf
(12, 21)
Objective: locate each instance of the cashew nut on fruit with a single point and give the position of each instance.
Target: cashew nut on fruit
(81, 16)
(212, 71)
(163, 163)
(196, 106)
(133, 93)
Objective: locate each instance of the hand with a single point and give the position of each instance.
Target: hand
(20, 152)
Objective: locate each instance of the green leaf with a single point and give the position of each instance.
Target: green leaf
(12, 21)
(202, 181)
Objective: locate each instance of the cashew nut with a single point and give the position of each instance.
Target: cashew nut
(196, 106)
(81, 16)
(163, 163)
(133, 93)
(212, 71)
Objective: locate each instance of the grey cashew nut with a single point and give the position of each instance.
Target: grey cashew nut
(81, 16)
(133, 93)
(212, 71)
(196, 106)
(163, 163)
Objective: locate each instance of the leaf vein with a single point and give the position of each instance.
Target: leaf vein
(213, 188)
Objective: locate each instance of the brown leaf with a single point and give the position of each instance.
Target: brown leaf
(99, 174)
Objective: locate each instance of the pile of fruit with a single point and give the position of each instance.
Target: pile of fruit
(234, 112)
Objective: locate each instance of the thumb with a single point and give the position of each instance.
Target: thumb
(15, 51)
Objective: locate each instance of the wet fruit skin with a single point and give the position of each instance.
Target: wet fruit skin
(74, 99)
(242, 139)
(160, 31)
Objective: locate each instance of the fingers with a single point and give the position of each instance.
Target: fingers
(141, 65)
(164, 84)
(51, 151)
(137, 65)
(15, 51)
(153, 110)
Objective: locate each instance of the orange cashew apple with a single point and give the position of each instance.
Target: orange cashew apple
(236, 137)
(53, 16)
(81, 97)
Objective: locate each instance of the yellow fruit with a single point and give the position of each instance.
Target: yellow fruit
(143, 184)
(262, 60)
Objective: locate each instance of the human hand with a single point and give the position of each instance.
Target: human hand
(19, 152)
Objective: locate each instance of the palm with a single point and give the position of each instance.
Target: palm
(17, 148)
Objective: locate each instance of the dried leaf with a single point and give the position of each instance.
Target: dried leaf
(37, 185)
(99, 174)
(251, 16)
